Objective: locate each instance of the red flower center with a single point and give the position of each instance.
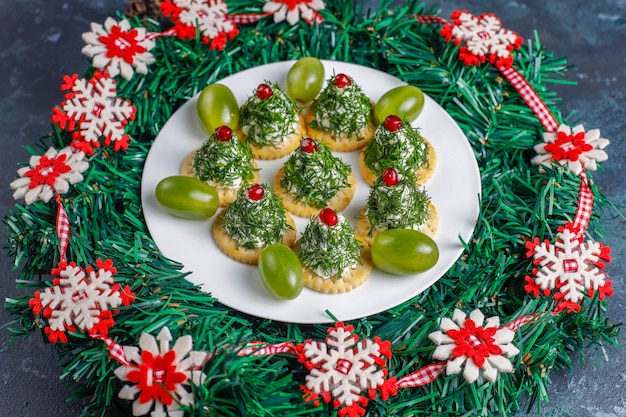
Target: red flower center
(292, 4)
(157, 377)
(568, 147)
(47, 171)
(475, 342)
(122, 44)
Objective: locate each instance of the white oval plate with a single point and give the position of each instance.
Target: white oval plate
(454, 189)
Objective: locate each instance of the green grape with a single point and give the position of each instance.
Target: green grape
(217, 107)
(305, 80)
(281, 271)
(187, 197)
(404, 251)
(406, 102)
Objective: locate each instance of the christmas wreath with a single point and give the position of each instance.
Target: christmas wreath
(134, 334)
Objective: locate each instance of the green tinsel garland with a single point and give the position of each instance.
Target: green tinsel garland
(518, 203)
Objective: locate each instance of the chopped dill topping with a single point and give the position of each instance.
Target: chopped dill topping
(315, 178)
(329, 251)
(404, 149)
(255, 224)
(401, 206)
(269, 121)
(341, 111)
(226, 163)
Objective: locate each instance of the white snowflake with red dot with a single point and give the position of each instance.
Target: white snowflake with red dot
(343, 368)
(210, 17)
(159, 377)
(482, 39)
(293, 10)
(117, 48)
(473, 344)
(570, 268)
(49, 175)
(80, 299)
(92, 111)
(572, 148)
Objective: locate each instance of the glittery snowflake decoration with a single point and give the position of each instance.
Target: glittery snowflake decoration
(568, 269)
(92, 111)
(343, 368)
(573, 148)
(482, 39)
(293, 10)
(80, 299)
(473, 344)
(49, 174)
(159, 377)
(210, 17)
(118, 49)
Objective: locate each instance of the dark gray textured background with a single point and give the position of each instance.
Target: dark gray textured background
(40, 41)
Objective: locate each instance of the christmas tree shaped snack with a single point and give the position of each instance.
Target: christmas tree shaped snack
(396, 202)
(313, 178)
(398, 144)
(271, 122)
(333, 259)
(224, 162)
(255, 220)
(341, 116)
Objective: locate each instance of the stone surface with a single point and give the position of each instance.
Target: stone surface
(40, 42)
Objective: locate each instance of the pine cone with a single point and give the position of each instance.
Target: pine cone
(144, 9)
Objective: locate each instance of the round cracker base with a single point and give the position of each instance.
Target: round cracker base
(350, 280)
(343, 143)
(233, 250)
(226, 194)
(289, 145)
(363, 225)
(423, 174)
(339, 202)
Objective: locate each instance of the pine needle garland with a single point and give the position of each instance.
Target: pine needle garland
(518, 203)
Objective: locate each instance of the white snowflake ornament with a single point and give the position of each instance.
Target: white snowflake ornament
(159, 377)
(293, 10)
(92, 111)
(570, 268)
(80, 299)
(118, 49)
(209, 17)
(473, 344)
(343, 368)
(572, 148)
(482, 39)
(49, 175)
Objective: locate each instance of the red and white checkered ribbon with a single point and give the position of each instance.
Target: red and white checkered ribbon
(430, 19)
(63, 228)
(115, 350)
(245, 18)
(585, 206)
(260, 349)
(531, 98)
(423, 376)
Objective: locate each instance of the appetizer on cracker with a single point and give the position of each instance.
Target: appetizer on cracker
(255, 220)
(341, 116)
(333, 259)
(224, 162)
(313, 178)
(271, 122)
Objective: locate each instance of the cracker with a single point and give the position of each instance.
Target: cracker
(350, 280)
(339, 202)
(423, 174)
(342, 143)
(363, 225)
(289, 144)
(231, 247)
(226, 194)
